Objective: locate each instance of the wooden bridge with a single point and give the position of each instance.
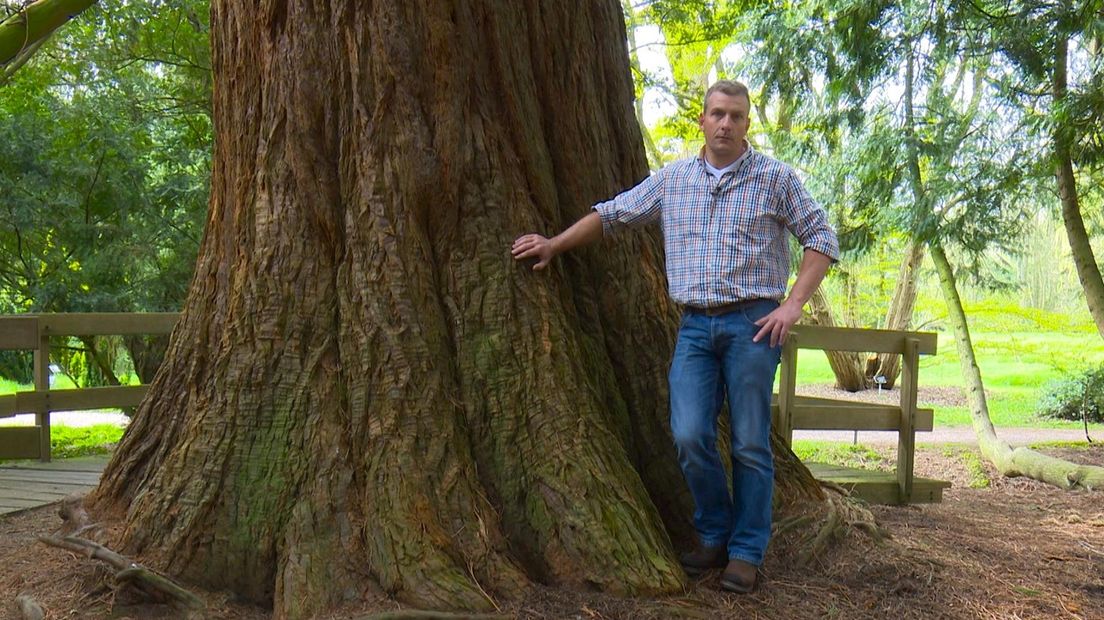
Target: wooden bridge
(34, 332)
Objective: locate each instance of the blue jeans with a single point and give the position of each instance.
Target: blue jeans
(714, 355)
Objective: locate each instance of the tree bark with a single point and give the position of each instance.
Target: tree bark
(899, 316)
(365, 395)
(1010, 462)
(147, 353)
(1088, 271)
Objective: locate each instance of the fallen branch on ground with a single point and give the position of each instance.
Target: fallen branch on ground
(29, 608)
(128, 572)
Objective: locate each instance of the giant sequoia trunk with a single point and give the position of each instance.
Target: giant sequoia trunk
(364, 389)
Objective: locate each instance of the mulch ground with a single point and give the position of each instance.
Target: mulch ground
(1014, 549)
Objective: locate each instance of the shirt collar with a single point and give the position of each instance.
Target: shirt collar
(746, 155)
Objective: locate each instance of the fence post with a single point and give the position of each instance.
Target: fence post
(906, 437)
(42, 383)
(787, 385)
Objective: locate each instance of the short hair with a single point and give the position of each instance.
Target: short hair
(732, 88)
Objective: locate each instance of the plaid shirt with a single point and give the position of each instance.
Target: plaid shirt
(724, 238)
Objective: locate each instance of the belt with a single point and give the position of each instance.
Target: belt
(722, 309)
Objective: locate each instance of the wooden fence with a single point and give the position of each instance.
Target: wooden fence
(793, 412)
(33, 332)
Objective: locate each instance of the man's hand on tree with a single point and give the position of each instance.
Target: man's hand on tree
(527, 246)
(778, 323)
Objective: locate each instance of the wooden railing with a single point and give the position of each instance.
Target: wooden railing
(33, 332)
(805, 413)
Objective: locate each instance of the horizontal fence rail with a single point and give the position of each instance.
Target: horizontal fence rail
(32, 332)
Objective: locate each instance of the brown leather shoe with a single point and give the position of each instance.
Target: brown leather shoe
(703, 558)
(739, 576)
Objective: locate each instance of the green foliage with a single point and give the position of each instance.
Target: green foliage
(1075, 396)
(105, 151)
(72, 441)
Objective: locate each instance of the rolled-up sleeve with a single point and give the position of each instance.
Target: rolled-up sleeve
(633, 207)
(806, 219)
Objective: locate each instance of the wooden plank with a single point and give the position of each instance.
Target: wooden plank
(47, 486)
(95, 463)
(787, 383)
(878, 487)
(845, 418)
(19, 442)
(906, 439)
(11, 504)
(42, 383)
(38, 493)
(22, 402)
(72, 400)
(862, 340)
(49, 477)
(96, 398)
(853, 404)
(18, 333)
(108, 323)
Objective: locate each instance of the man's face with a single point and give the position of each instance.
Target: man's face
(724, 125)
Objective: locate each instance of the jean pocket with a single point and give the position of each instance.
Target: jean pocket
(757, 310)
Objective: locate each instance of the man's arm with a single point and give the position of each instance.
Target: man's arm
(587, 230)
(778, 323)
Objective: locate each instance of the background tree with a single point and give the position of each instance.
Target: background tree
(1063, 109)
(106, 157)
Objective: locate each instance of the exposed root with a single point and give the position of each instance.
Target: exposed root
(790, 524)
(29, 608)
(841, 514)
(129, 572)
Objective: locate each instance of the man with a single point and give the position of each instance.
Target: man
(724, 214)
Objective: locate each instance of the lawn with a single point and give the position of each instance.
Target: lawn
(1015, 367)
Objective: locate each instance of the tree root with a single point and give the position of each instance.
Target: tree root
(842, 514)
(29, 608)
(129, 572)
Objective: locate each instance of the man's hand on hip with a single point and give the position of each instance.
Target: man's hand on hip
(778, 323)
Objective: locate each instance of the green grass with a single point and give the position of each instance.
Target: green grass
(834, 453)
(1015, 368)
(71, 441)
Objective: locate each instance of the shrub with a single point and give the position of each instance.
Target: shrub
(1074, 396)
